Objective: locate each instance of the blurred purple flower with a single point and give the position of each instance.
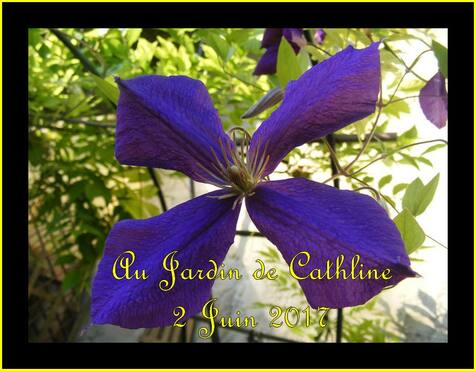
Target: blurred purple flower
(170, 122)
(271, 40)
(434, 100)
(319, 36)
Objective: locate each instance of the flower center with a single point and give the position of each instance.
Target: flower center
(243, 171)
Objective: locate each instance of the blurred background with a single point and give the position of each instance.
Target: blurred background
(77, 189)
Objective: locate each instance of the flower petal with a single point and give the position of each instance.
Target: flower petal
(168, 122)
(326, 98)
(295, 36)
(271, 37)
(200, 229)
(301, 215)
(434, 100)
(267, 63)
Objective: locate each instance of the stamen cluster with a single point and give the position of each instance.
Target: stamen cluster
(242, 171)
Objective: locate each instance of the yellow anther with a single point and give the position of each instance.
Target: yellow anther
(234, 171)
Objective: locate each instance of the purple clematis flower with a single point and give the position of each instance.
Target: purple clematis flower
(271, 41)
(434, 100)
(170, 122)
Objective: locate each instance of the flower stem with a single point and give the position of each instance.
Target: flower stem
(409, 69)
(370, 136)
(385, 155)
(153, 175)
(64, 38)
(334, 167)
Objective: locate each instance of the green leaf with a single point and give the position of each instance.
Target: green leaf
(35, 153)
(86, 248)
(240, 36)
(316, 53)
(65, 259)
(71, 280)
(133, 35)
(418, 196)
(399, 37)
(411, 232)
(434, 148)
(412, 194)
(97, 188)
(399, 187)
(441, 54)
(140, 210)
(288, 65)
(109, 90)
(219, 44)
(34, 36)
(397, 108)
(428, 194)
(76, 190)
(384, 180)
(303, 61)
(145, 52)
(360, 128)
(410, 134)
(410, 160)
(424, 161)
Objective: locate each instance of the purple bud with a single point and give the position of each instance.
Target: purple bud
(319, 36)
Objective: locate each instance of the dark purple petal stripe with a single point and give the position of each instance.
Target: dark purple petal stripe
(168, 122)
(200, 229)
(301, 215)
(328, 97)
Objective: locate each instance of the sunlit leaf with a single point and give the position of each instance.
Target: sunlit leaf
(360, 127)
(412, 195)
(409, 160)
(385, 180)
(132, 35)
(220, 45)
(399, 187)
(34, 36)
(441, 53)
(434, 148)
(419, 196)
(411, 232)
(397, 108)
(109, 90)
(424, 161)
(144, 52)
(412, 133)
(288, 67)
(303, 60)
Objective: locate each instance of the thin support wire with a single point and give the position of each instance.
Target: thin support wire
(340, 313)
(163, 204)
